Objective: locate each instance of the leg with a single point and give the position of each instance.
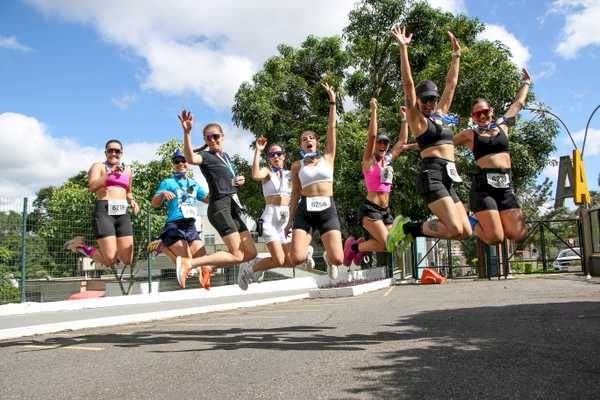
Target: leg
(277, 259)
(299, 246)
(233, 256)
(514, 224)
(125, 249)
(450, 224)
(489, 226)
(247, 246)
(378, 232)
(332, 241)
(196, 249)
(107, 251)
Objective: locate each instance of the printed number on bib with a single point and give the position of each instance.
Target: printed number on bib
(497, 180)
(188, 211)
(318, 203)
(452, 172)
(387, 174)
(117, 207)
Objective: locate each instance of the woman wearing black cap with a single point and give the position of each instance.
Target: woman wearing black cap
(374, 214)
(224, 207)
(425, 115)
(493, 200)
(180, 236)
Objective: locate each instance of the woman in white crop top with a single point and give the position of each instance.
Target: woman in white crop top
(312, 206)
(277, 188)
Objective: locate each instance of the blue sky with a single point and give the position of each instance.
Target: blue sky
(75, 73)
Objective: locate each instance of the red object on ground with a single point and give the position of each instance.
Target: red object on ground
(88, 294)
(429, 277)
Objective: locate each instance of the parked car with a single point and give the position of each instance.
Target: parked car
(568, 260)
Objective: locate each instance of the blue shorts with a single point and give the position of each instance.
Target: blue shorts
(181, 229)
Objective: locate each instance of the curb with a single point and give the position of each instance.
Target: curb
(350, 291)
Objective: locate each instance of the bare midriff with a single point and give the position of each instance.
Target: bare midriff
(277, 200)
(318, 189)
(445, 151)
(382, 199)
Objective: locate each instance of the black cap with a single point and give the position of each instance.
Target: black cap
(427, 88)
(382, 136)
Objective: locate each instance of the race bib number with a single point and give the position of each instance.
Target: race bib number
(387, 174)
(117, 207)
(237, 200)
(318, 203)
(188, 211)
(498, 180)
(452, 172)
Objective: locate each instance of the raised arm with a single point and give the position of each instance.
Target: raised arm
(464, 138)
(258, 173)
(519, 102)
(416, 122)
(371, 133)
(186, 120)
(401, 144)
(331, 122)
(452, 77)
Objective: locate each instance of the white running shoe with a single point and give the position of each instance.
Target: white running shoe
(244, 275)
(309, 263)
(332, 270)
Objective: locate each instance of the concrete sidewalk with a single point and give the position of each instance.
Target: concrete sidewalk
(18, 320)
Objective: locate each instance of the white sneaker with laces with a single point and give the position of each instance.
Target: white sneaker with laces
(309, 263)
(332, 270)
(243, 277)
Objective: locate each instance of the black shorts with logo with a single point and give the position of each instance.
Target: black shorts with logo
(323, 221)
(374, 212)
(225, 216)
(486, 197)
(433, 181)
(105, 225)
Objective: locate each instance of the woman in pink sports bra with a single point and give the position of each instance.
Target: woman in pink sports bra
(374, 213)
(111, 182)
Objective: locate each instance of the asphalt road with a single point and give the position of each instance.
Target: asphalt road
(518, 339)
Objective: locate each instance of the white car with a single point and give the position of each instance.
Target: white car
(568, 260)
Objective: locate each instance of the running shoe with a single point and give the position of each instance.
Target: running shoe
(348, 252)
(332, 270)
(155, 247)
(309, 263)
(244, 275)
(404, 244)
(360, 254)
(77, 245)
(182, 267)
(204, 277)
(396, 233)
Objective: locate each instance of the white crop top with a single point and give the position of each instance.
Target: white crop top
(309, 174)
(278, 186)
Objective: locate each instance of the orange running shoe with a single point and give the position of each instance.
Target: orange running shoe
(182, 267)
(204, 277)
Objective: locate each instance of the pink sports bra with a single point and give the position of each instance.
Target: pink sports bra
(120, 179)
(378, 178)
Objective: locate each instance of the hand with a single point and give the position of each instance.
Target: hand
(134, 206)
(373, 104)
(261, 143)
(117, 168)
(238, 180)
(454, 43)
(399, 33)
(167, 195)
(186, 120)
(403, 113)
(525, 77)
(330, 92)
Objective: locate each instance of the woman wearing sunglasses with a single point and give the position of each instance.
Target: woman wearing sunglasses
(312, 205)
(276, 187)
(180, 236)
(111, 182)
(493, 201)
(224, 207)
(374, 214)
(426, 117)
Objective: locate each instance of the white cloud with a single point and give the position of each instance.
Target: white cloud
(520, 53)
(581, 25)
(11, 42)
(123, 102)
(33, 158)
(204, 47)
(592, 145)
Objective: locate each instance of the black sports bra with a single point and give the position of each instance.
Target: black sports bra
(437, 133)
(486, 145)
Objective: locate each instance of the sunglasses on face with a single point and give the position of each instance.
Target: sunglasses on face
(213, 136)
(113, 151)
(383, 141)
(275, 154)
(479, 113)
(179, 161)
(429, 99)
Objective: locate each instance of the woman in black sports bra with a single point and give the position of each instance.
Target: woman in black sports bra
(497, 212)
(426, 115)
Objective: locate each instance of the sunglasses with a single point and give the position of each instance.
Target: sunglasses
(213, 136)
(113, 151)
(429, 99)
(479, 113)
(383, 141)
(179, 161)
(275, 154)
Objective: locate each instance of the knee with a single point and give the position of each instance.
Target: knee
(238, 256)
(110, 261)
(250, 254)
(335, 259)
(454, 230)
(297, 258)
(278, 260)
(518, 235)
(493, 238)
